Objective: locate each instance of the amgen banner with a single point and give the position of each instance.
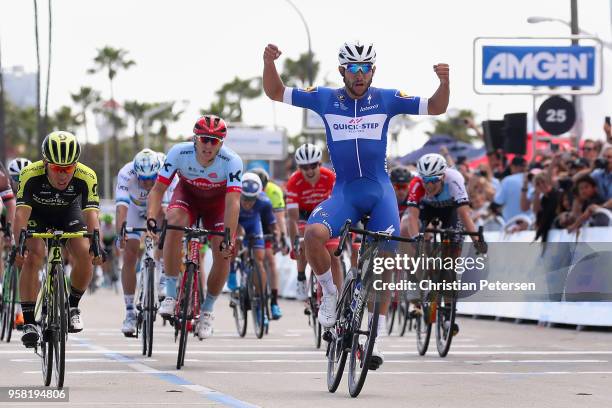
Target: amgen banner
(538, 66)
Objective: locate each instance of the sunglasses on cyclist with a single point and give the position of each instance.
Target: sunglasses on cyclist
(355, 68)
(431, 179)
(309, 166)
(209, 139)
(15, 178)
(62, 169)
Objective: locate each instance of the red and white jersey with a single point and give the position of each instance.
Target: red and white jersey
(303, 195)
(223, 175)
(453, 193)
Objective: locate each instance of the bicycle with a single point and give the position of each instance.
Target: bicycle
(10, 287)
(188, 302)
(439, 307)
(250, 295)
(347, 335)
(52, 303)
(146, 304)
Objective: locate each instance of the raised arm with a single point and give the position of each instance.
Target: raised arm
(272, 82)
(439, 100)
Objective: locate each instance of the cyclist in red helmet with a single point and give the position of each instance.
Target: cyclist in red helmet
(209, 187)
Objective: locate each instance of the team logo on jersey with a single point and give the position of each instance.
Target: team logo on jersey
(213, 175)
(167, 165)
(402, 94)
(341, 97)
(315, 211)
(235, 176)
(308, 89)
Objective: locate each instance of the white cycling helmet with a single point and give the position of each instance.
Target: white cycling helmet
(356, 52)
(308, 154)
(251, 185)
(146, 164)
(16, 165)
(431, 164)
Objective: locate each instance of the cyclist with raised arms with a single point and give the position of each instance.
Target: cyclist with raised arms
(438, 192)
(134, 183)
(59, 193)
(209, 187)
(356, 119)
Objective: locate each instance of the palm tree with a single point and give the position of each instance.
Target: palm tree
(84, 99)
(230, 97)
(136, 110)
(111, 60)
(65, 119)
(165, 118)
(296, 72)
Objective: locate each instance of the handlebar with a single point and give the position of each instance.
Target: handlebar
(192, 233)
(56, 235)
(346, 229)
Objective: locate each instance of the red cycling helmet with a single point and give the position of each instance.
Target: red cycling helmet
(210, 125)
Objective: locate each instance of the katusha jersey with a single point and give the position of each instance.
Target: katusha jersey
(222, 176)
(453, 192)
(357, 128)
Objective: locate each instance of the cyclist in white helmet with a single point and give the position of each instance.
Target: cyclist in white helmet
(134, 182)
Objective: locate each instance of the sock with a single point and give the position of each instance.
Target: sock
(327, 283)
(75, 297)
(129, 303)
(274, 299)
(171, 286)
(301, 276)
(382, 325)
(209, 303)
(28, 312)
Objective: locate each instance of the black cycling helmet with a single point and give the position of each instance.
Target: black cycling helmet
(400, 174)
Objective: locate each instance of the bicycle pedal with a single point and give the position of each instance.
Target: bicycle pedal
(327, 336)
(307, 311)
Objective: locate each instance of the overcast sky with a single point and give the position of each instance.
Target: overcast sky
(187, 49)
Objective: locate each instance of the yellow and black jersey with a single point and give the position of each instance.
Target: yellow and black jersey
(35, 190)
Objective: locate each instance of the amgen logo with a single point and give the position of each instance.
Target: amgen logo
(557, 66)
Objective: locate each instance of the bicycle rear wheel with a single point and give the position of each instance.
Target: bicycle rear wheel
(340, 342)
(60, 325)
(403, 316)
(239, 299)
(314, 310)
(256, 296)
(183, 318)
(445, 323)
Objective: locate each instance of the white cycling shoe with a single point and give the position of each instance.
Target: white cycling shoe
(301, 290)
(166, 309)
(205, 325)
(129, 325)
(327, 310)
(377, 358)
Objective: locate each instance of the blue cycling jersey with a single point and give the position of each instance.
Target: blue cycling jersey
(252, 219)
(357, 141)
(356, 128)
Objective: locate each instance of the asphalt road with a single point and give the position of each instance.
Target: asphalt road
(491, 364)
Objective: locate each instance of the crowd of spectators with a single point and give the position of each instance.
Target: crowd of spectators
(563, 188)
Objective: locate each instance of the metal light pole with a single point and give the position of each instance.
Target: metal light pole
(309, 70)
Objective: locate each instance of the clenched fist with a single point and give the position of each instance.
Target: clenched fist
(271, 53)
(442, 71)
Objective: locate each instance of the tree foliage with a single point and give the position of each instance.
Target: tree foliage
(454, 126)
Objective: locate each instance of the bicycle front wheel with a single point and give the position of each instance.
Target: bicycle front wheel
(445, 324)
(46, 332)
(60, 325)
(238, 302)
(149, 308)
(339, 341)
(9, 304)
(364, 336)
(314, 310)
(183, 319)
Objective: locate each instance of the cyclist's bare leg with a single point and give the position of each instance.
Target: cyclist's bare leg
(336, 268)
(315, 237)
(271, 260)
(28, 277)
(128, 272)
(173, 241)
(220, 268)
(259, 258)
(82, 268)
